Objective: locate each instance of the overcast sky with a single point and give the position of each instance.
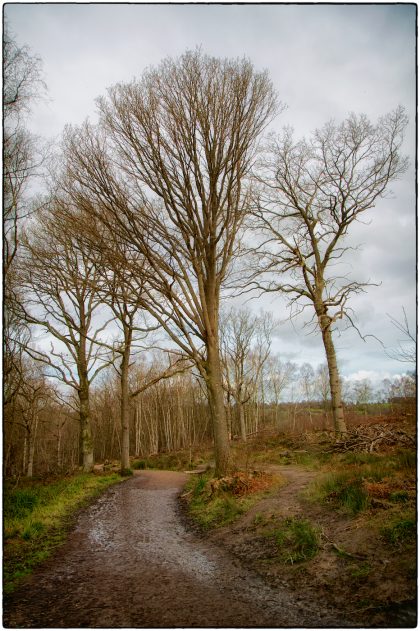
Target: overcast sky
(325, 61)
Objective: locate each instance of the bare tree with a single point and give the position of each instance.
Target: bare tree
(22, 84)
(278, 376)
(30, 401)
(312, 191)
(363, 393)
(62, 299)
(245, 346)
(406, 350)
(120, 281)
(35, 394)
(323, 390)
(307, 385)
(184, 139)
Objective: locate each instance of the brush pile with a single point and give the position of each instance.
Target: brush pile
(241, 483)
(373, 438)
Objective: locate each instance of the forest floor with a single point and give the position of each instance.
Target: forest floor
(330, 542)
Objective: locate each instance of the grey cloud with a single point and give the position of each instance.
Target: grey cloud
(325, 60)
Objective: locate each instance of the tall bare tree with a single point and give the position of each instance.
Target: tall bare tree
(313, 190)
(62, 298)
(120, 279)
(183, 139)
(22, 85)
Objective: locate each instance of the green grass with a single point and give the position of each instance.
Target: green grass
(349, 484)
(402, 459)
(211, 510)
(399, 497)
(341, 490)
(297, 540)
(37, 517)
(401, 529)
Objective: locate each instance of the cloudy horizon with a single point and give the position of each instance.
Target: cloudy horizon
(325, 62)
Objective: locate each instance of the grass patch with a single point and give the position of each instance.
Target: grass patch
(356, 482)
(297, 540)
(344, 490)
(360, 570)
(399, 496)
(217, 502)
(400, 530)
(211, 509)
(36, 519)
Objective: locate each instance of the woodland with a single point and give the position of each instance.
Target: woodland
(126, 327)
(131, 250)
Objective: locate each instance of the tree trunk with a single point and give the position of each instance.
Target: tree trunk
(58, 452)
(228, 412)
(137, 427)
(241, 415)
(25, 450)
(125, 406)
(31, 448)
(86, 442)
(31, 454)
(335, 386)
(217, 408)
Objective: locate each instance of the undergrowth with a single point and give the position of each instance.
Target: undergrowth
(175, 461)
(36, 518)
(400, 529)
(216, 502)
(296, 540)
(356, 482)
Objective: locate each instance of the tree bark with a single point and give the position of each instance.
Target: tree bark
(241, 415)
(125, 404)
(86, 442)
(335, 386)
(217, 408)
(31, 449)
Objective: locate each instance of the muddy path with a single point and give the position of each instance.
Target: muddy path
(132, 562)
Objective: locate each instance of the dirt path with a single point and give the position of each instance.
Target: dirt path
(131, 562)
(377, 597)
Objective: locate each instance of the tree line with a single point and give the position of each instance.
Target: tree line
(150, 221)
(41, 434)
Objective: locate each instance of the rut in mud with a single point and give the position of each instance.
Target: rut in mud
(131, 562)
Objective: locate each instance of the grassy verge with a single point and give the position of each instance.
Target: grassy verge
(37, 517)
(358, 482)
(218, 502)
